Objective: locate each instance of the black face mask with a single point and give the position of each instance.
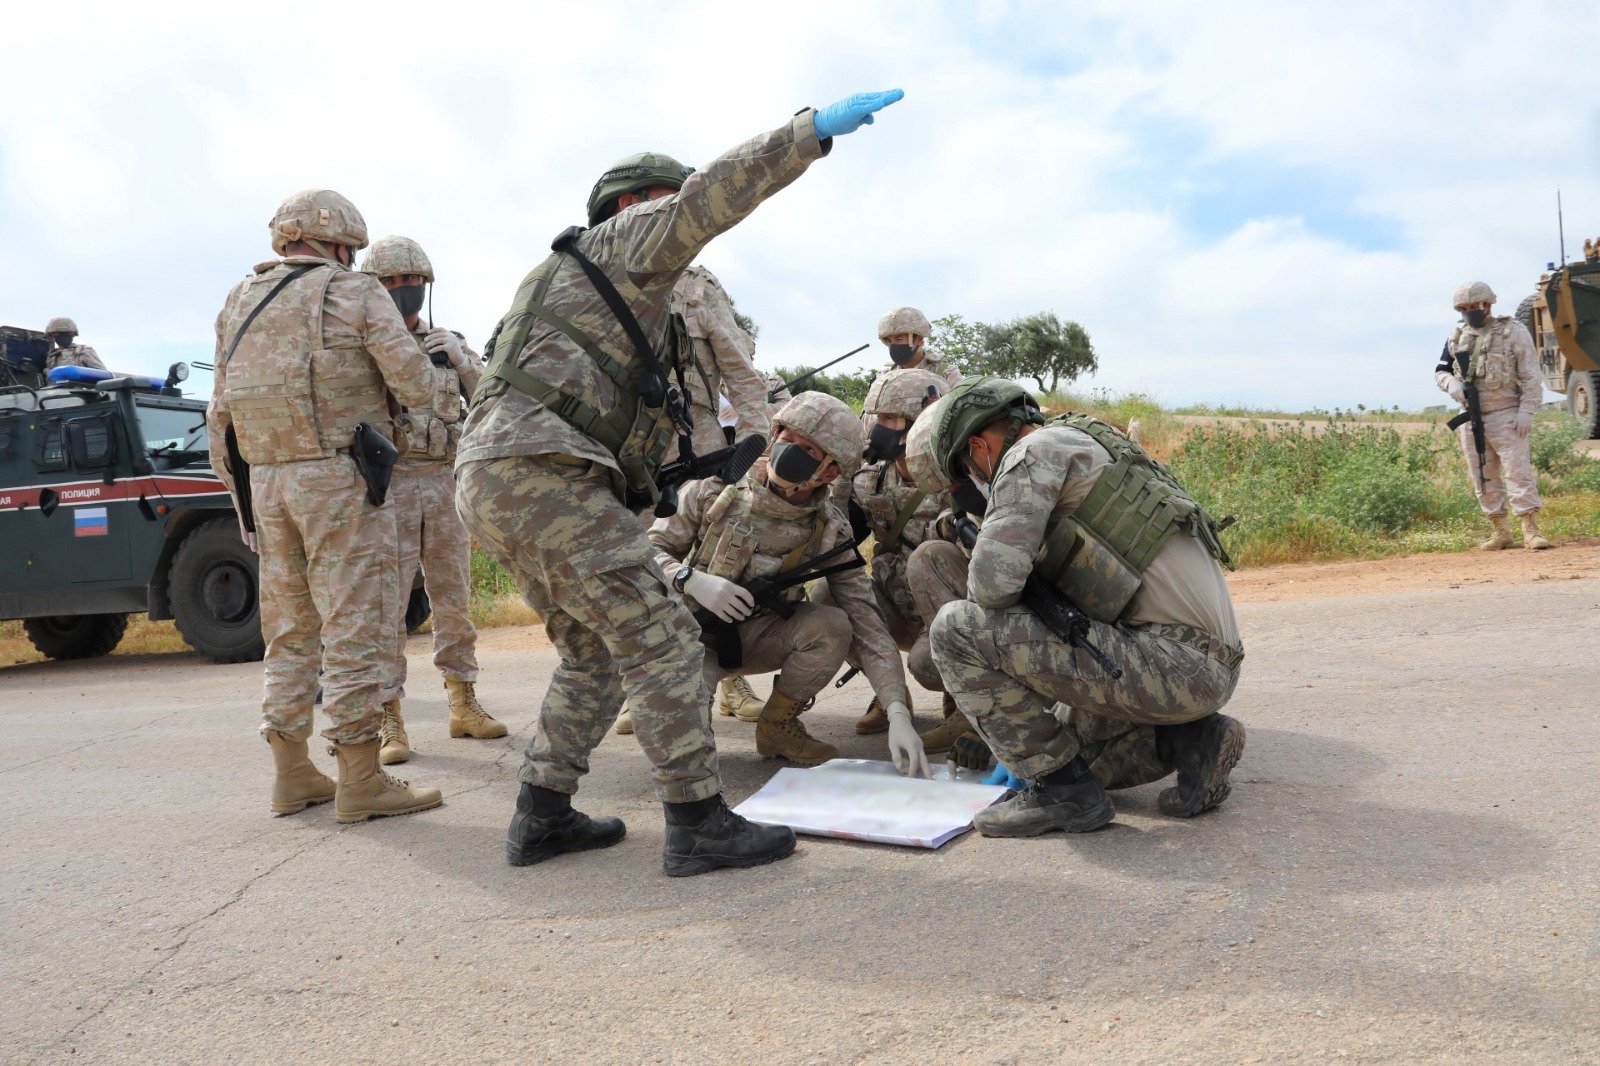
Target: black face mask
(791, 463)
(408, 298)
(970, 498)
(902, 354)
(1476, 319)
(63, 340)
(884, 443)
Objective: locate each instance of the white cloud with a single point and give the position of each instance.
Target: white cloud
(1074, 158)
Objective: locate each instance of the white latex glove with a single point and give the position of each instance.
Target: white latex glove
(248, 537)
(442, 340)
(1524, 424)
(720, 596)
(1455, 391)
(905, 747)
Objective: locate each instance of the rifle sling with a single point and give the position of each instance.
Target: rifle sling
(273, 295)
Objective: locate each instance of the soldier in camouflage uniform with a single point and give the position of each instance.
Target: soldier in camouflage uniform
(422, 495)
(324, 351)
(63, 333)
(905, 332)
(1496, 354)
(563, 441)
(1077, 505)
(723, 367)
(777, 517)
(914, 571)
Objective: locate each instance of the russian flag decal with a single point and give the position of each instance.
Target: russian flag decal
(89, 522)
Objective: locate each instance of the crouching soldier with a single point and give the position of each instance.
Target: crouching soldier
(1077, 512)
(914, 572)
(776, 518)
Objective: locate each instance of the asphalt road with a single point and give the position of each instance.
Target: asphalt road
(1407, 872)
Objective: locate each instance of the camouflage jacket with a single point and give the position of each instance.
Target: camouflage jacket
(79, 355)
(881, 493)
(356, 313)
(1506, 370)
(933, 365)
(433, 432)
(643, 251)
(723, 351)
(745, 531)
(1043, 478)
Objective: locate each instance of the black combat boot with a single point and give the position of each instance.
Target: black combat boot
(545, 826)
(704, 834)
(1069, 799)
(1205, 751)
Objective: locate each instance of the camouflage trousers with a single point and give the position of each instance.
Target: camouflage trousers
(329, 597)
(708, 435)
(1005, 668)
(806, 650)
(582, 561)
(431, 534)
(1508, 468)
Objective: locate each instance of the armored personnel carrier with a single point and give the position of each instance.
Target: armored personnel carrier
(1564, 317)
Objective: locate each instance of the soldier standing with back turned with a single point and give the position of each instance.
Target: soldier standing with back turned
(307, 349)
(1496, 354)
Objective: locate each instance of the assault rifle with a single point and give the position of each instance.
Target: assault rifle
(772, 396)
(729, 464)
(1052, 606)
(767, 592)
(1474, 413)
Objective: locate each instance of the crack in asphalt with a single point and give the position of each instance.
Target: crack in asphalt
(97, 741)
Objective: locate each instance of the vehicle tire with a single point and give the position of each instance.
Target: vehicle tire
(214, 591)
(1583, 400)
(1525, 316)
(84, 636)
(418, 608)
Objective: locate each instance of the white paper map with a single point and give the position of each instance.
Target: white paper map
(861, 799)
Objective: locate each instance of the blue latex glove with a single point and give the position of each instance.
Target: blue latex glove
(853, 112)
(1001, 776)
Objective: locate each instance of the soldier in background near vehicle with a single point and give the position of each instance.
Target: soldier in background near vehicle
(914, 572)
(905, 331)
(307, 350)
(561, 447)
(1076, 506)
(1495, 355)
(422, 496)
(63, 333)
(723, 367)
(778, 517)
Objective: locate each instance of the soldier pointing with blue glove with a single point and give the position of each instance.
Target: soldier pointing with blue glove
(581, 403)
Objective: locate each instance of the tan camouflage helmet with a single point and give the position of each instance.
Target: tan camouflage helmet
(316, 216)
(392, 256)
(62, 324)
(904, 320)
(829, 422)
(903, 392)
(631, 174)
(921, 462)
(1473, 292)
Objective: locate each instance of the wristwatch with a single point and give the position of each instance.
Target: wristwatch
(681, 578)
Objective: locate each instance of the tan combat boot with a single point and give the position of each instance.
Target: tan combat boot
(1532, 539)
(779, 734)
(736, 699)
(299, 783)
(396, 745)
(1502, 537)
(624, 726)
(942, 737)
(876, 720)
(365, 791)
(467, 716)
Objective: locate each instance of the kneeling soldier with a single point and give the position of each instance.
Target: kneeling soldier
(776, 518)
(1145, 655)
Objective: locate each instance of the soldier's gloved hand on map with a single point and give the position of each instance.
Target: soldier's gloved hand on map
(970, 752)
(1524, 424)
(853, 112)
(248, 537)
(721, 597)
(1001, 776)
(442, 340)
(905, 747)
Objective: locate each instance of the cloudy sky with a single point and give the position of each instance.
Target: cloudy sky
(1259, 203)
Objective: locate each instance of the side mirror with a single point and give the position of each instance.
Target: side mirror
(88, 442)
(77, 445)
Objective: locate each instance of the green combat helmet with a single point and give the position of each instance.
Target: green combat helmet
(392, 256)
(317, 216)
(630, 174)
(829, 422)
(937, 445)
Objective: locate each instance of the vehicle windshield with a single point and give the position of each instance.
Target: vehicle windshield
(169, 429)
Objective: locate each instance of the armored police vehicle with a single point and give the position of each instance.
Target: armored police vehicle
(1563, 315)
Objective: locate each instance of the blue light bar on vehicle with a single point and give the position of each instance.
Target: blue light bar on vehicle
(82, 375)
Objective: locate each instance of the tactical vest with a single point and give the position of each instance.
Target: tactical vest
(737, 552)
(1098, 555)
(894, 516)
(434, 432)
(292, 399)
(636, 434)
(1492, 365)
